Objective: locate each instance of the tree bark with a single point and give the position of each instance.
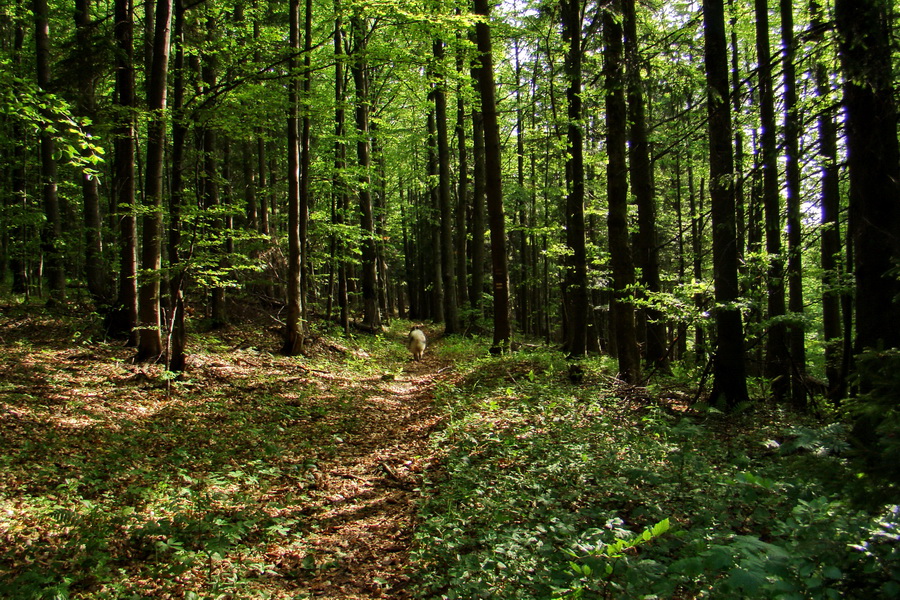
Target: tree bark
(830, 198)
(493, 180)
(359, 67)
(448, 266)
(796, 329)
(778, 365)
(293, 333)
(642, 188)
(623, 278)
(476, 287)
(150, 333)
(872, 155)
(177, 340)
(51, 238)
(729, 374)
(123, 319)
(575, 291)
(95, 267)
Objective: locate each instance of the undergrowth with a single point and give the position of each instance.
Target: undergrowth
(600, 490)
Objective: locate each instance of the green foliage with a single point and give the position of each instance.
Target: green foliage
(551, 490)
(877, 414)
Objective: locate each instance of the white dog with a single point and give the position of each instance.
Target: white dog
(416, 342)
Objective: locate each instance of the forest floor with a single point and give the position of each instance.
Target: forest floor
(353, 472)
(257, 475)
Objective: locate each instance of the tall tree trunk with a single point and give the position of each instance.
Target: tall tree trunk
(371, 314)
(150, 333)
(796, 331)
(448, 266)
(293, 333)
(52, 242)
(462, 189)
(493, 180)
(830, 196)
(18, 199)
(211, 193)
(642, 188)
(175, 347)
(432, 223)
(476, 287)
(340, 165)
(95, 266)
(623, 278)
(576, 293)
(777, 358)
(305, 160)
(729, 370)
(864, 32)
(124, 317)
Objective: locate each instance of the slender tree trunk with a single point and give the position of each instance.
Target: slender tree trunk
(432, 223)
(123, 319)
(462, 190)
(177, 334)
(830, 224)
(576, 293)
(150, 334)
(293, 333)
(622, 311)
(730, 382)
(305, 162)
(864, 32)
(642, 188)
(796, 331)
(371, 314)
(476, 288)
(96, 273)
(448, 266)
(340, 165)
(211, 193)
(52, 242)
(18, 199)
(493, 181)
(777, 357)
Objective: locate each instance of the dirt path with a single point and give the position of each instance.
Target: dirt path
(364, 496)
(249, 440)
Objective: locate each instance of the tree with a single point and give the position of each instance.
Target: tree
(359, 69)
(123, 318)
(621, 307)
(448, 265)
(576, 292)
(95, 265)
(873, 160)
(52, 232)
(729, 374)
(493, 179)
(640, 169)
(830, 226)
(150, 332)
(796, 331)
(293, 334)
(777, 357)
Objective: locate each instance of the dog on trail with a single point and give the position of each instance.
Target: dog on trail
(416, 343)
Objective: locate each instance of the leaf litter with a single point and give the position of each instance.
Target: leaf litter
(254, 475)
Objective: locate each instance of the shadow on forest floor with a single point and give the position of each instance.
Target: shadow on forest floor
(256, 475)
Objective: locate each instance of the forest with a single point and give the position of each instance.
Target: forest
(653, 246)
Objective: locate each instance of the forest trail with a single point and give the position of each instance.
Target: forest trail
(364, 500)
(256, 475)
